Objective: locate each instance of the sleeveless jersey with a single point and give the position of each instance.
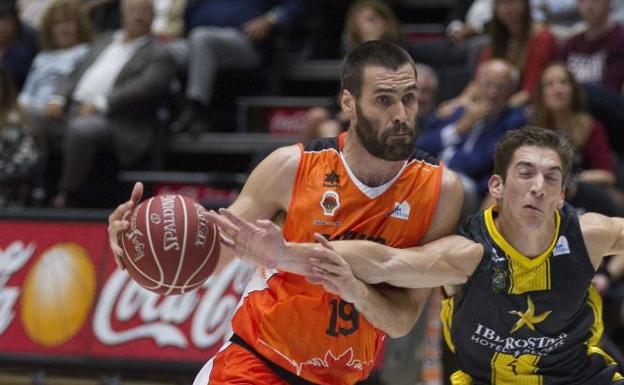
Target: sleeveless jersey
(301, 327)
(528, 321)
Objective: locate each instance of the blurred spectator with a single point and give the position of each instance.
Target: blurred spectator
(513, 37)
(321, 124)
(560, 105)
(596, 58)
(111, 98)
(561, 16)
(17, 43)
(168, 21)
(370, 20)
(18, 153)
(466, 140)
(597, 54)
(227, 34)
(427, 94)
(64, 36)
(464, 38)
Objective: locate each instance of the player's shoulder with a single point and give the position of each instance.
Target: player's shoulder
(452, 187)
(284, 158)
(321, 144)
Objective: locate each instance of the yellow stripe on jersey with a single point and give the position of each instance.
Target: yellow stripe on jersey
(460, 377)
(595, 303)
(447, 318)
(510, 370)
(526, 274)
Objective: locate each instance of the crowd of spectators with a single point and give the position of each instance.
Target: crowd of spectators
(82, 81)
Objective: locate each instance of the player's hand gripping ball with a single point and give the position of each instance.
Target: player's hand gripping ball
(170, 247)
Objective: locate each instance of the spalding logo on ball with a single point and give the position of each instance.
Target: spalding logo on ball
(170, 248)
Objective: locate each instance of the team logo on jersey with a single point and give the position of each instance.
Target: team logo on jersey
(499, 280)
(401, 210)
(528, 318)
(330, 202)
(562, 246)
(332, 179)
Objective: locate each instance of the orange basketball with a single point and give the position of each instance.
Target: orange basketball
(170, 247)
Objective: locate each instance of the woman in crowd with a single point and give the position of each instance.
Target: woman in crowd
(560, 105)
(514, 37)
(64, 36)
(370, 20)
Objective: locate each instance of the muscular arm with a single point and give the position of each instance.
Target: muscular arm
(603, 236)
(266, 193)
(446, 261)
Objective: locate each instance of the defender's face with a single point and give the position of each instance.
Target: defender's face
(533, 188)
(385, 113)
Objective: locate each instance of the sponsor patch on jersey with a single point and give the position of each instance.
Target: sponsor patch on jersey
(332, 179)
(401, 210)
(562, 246)
(330, 202)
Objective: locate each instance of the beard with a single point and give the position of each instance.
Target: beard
(383, 146)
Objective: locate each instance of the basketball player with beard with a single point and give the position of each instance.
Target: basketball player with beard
(526, 311)
(368, 183)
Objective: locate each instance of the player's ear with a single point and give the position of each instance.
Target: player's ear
(561, 198)
(347, 101)
(495, 185)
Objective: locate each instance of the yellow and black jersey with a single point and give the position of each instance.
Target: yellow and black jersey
(528, 321)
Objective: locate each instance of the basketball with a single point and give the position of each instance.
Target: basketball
(170, 247)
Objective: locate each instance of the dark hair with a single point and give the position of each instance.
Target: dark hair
(371, 53)
(68, 10)
(499, 34)
(393, 32)
(532, 136)
(542, 117)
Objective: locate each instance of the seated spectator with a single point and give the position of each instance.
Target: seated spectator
(370, 20)
(18, 44)
(465, 141)
(596, 58)
(111, 98)
(427, 95)
(18, 152)
(514, 37)
(560, 105)
(64, 36)
(224, 34)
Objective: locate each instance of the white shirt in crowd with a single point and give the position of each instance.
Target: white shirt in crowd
(97, 81)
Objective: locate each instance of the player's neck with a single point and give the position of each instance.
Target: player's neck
(531, 241)
(368, 169)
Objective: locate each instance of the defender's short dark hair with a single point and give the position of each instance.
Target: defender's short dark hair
(532, 136)
(371, 53)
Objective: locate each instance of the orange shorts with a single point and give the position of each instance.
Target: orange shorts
(237, 365)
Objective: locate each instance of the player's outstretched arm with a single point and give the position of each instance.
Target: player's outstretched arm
(603, 236)
(446, 261)
(266, 193)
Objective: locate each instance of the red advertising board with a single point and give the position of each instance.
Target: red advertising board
(61, 295)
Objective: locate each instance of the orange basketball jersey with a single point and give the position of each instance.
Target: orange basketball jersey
(301, 327)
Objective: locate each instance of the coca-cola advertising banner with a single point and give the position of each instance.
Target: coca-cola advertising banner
(62, 295)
